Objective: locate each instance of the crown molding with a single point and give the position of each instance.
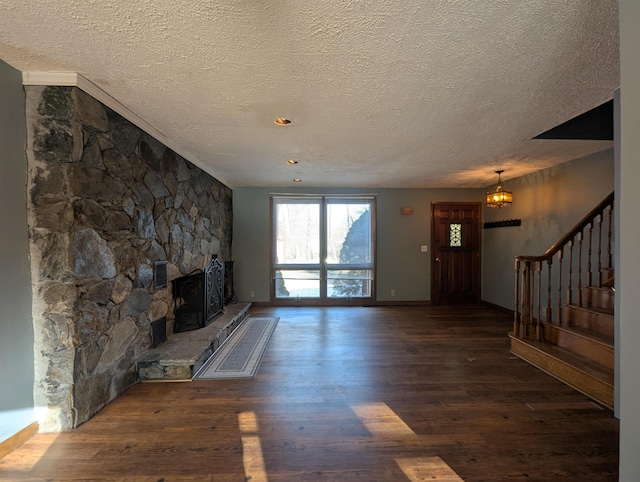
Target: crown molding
(73, 79)
(50, 78)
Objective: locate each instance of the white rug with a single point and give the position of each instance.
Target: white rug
(240, 355)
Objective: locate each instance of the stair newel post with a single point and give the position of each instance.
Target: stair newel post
(526, 298)
(539, 290)
(560, 255)
(516, 302)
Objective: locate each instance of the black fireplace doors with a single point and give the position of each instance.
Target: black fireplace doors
(198, 297)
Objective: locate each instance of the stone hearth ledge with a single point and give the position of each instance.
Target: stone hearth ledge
(180, 357)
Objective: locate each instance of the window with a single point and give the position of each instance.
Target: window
(323, 248)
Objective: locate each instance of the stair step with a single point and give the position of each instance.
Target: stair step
(588, 318)
(581, 341)
(598, 298)
(608, 276)
(586, 376)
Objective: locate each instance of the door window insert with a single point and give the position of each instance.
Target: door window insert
(455, 235)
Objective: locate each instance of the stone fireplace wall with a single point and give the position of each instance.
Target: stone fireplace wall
(105, 201)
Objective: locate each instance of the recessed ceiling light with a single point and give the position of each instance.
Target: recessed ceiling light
(297, 179)
(282, 121)
(292, 161)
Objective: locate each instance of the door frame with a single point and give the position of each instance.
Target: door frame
(435, 252)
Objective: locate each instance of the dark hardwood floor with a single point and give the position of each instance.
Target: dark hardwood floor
(368, 394)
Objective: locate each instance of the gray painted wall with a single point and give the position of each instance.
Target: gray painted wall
(549, 203)
(16, 339)
(401, 265)
(628, 272)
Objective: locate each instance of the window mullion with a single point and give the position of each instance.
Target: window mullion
(323, 249)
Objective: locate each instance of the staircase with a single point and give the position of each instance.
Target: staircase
(563, 317)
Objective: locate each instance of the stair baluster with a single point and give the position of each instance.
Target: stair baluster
(581, 236)
(600, 250)
(559, 301)
(516, 301)
(570, 277)
(526, 298)
(589, 256)
(549, 285)
(539, 290)
(609, 234)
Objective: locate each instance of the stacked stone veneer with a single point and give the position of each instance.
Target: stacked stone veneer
(105, 201)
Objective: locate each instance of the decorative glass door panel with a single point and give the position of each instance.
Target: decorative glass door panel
(323, 248)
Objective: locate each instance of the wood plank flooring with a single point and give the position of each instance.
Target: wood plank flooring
(367, 394)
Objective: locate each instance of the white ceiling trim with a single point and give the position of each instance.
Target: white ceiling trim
(73, 79)
(68, 79)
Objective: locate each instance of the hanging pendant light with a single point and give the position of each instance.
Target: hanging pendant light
(498, 197)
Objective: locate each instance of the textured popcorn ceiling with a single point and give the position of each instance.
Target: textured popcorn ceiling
(381, 93)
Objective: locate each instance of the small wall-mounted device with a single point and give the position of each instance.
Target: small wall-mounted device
(159, 275)
(159, 331)
(406, 210)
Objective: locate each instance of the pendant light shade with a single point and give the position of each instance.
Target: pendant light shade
(499, 197)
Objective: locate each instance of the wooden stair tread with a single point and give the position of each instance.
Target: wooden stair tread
(600, 321)
(596, 370)
(597, 298)
(585, 333)
(595, 309)
(597, 288)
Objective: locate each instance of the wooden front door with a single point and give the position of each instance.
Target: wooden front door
(455, 253)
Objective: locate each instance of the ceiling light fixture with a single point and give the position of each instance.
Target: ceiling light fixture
(499, 197)
(292, 162)
(297, 179)
(282, 121)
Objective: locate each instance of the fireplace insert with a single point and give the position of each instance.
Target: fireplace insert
(198, 297)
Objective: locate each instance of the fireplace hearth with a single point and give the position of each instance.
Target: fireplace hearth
(198, 297)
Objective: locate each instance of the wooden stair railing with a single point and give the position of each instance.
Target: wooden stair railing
(581, 258)
(563, 317)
